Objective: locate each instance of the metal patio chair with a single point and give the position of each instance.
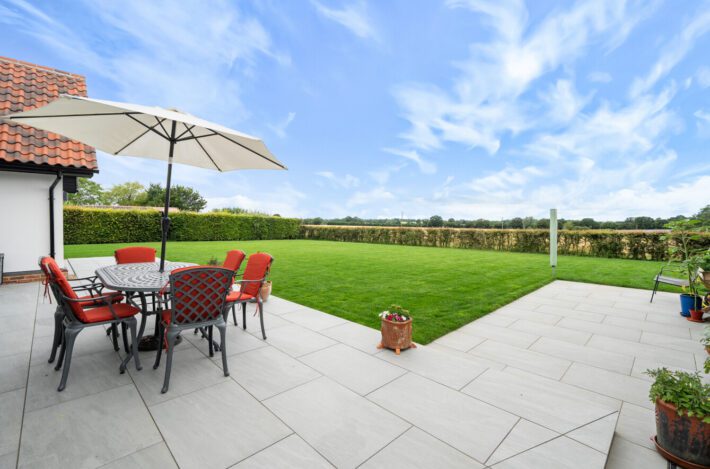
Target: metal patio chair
(668, 280)
(196, 300)
(77, 317)
(133, 255)
(255, 274)
(90, 285)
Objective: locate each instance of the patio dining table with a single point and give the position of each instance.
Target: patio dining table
(140, 278)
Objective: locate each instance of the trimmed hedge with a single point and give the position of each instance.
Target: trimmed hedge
(97, 226)
(644, 245)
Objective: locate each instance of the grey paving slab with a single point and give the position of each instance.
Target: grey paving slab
(607, 330)
(570, 313)
(352, 368)
(279, 306)
(680, 331)
(89, 431)
(522, 437)
(88, 374)
(342, 426)
(552, 332)
(461, 341)
(153, 457)
(312, 319)
(266, 371)
(8, 461)
(608, 383)
(530, 315)
(238, 341)
(89, 341)
(216, 427)
(637, 424)
(672, 342)
(291, 452)
(639, 350)
(355, 335)
(554, 405)
(467, 424)
(611, 361)
(11, 410)
(500, 334)
(447, 369)
(627, 455)
(535, 362)
(597, 434)
(296, 340)
(13, 371)
(560, 453)
(14, 342)
(417, 449)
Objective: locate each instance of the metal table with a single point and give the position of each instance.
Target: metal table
(140, 278)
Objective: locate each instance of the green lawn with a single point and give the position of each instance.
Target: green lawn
(444, 288)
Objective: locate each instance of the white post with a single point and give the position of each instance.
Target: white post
(553, 239)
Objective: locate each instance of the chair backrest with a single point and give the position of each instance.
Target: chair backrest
(234, 259)
(60, 286)
(257, 268)
(134, 254)
(198, 294)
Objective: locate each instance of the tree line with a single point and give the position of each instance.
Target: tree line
(630, 223)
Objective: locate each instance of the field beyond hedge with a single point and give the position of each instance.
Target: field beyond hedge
(444, 288)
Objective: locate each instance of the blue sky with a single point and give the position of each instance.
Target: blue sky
(462, 108)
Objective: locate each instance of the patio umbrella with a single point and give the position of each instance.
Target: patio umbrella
(150, 132)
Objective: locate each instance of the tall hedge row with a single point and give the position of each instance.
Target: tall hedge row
(598, 243)
(95, 226)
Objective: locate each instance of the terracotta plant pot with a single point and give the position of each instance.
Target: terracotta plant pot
(686, 438)
(265, 291)
(696, 315)
(396, 335)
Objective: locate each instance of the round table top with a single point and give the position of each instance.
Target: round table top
(139, 276)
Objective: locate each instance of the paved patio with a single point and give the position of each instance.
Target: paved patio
(543, 382)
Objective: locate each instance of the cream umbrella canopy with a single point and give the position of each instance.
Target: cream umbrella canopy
(150, 132)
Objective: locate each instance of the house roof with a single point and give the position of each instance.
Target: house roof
(25, 86)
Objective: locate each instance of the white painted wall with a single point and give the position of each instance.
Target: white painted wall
(24, 220)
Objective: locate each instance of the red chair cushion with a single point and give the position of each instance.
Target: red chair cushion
(236, 296)
(134, 254)
(63, 285)
(257, 268)
(234, 260)
(88, 301)
(103, 313)
(166, 315)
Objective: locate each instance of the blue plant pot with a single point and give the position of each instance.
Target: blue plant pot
(688, 302)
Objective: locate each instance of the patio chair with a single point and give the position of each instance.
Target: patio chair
(133, 255)
(91, 285)
(197, 299)
(675, 281)
(257, 269)
(104, 310)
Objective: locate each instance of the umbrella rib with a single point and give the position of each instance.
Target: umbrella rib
(253, 151)
(148, 127)
(78, 115)
(135, 139)
(187, 129)
(206, 152)
(196, 137)
(161, 125)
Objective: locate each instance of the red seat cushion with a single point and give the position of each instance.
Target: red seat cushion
(257, 267)
(134, 254)
(234, 259)
(237, 296)
(88, 301)
(166, 316)
(103, 313)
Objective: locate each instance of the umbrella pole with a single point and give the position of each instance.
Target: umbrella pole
(166, 218)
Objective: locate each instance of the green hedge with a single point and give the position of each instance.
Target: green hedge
(598, 243)
(95, 226)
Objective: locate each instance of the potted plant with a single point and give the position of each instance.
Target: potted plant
(704, 265)
(706, 339)
(681, 247)
(265, 290)
(682, 416)
(396, 329)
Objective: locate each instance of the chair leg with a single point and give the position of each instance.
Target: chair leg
(244, 316)
(655, 287)
(161, 338)
(172, 335)
(260, 307)
(70, 336)
(62, 350)
(209, 339)
(134, 345)
(234, 313)
(125, 336)
(223, 345)
(144, 320)
(114, 335)
(58, 326)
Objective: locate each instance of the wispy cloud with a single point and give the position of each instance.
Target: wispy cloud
(600, 77)
(378, 194)
(425, 167)
(346, 182)
(280, 127)
(353, 17)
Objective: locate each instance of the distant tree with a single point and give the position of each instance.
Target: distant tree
(182, 197)
(127, 193)
(436, 221)
(588, 223)
(703, 215)
(543, 223)
(644, 223)
(516, 223)
(232, 210)
(88, 193)
(529, 222)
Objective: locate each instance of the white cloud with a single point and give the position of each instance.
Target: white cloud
(563, 101)
(505, 179)
(280, 127)
(348, 181)
(425, 167)
(703, 77)
(600, 77)
(284, 200)
(377, 194)
(674, 51)
(354, 17)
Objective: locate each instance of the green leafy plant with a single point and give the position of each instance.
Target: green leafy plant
(686, 391)
(213, 261)
(704, 261)
(396, 314)
(683, 247)
(707, 365)
(706, 337)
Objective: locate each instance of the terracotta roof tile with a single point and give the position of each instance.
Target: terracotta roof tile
(25, 86)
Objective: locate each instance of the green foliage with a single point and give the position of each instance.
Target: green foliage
(396, 313)
(88, 226)
(128, 193)
(182, 197)
(642, 245)
(436, 220)
(706, 337)
(88, 193)
(241, 211)
(683, 246)
(684, 390)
